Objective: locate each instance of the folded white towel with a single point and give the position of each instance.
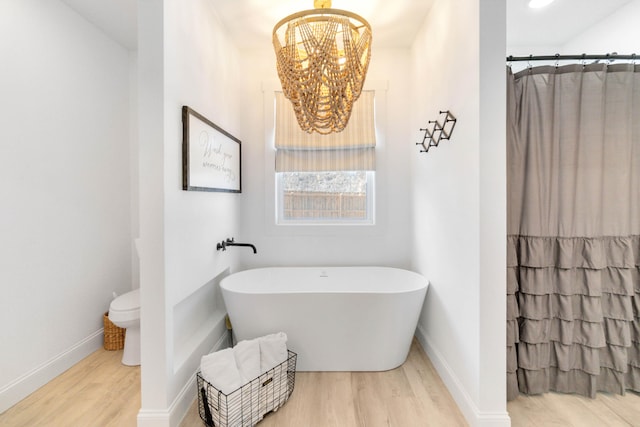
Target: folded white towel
(247, 355)
(220, 369)
(232, 368)
(273, 350)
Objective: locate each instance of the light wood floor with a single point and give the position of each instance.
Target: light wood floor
(100, 391)
(569, 410)
(408, 396)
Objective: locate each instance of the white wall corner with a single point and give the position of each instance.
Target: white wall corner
(474, 416)
(23, 386)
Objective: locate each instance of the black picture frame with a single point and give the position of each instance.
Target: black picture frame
(211, 156)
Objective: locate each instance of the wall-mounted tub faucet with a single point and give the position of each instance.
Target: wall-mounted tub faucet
(230, 242)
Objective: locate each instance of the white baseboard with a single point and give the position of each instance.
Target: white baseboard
(156, 418)
(26, 384)
(178, 409)
(468, 407)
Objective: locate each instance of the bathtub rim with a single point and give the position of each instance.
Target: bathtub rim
(425, 283)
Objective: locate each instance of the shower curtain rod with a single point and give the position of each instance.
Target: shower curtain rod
(584, 56)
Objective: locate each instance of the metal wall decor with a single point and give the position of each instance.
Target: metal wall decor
(437, 130)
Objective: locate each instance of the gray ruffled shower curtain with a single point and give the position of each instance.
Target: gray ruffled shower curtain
(573, 258)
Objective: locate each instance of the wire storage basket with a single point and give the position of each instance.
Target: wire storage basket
(246, 406)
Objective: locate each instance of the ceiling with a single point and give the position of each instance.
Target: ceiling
(394, 23)
(557, 23)
(258, 17)
(117, 18)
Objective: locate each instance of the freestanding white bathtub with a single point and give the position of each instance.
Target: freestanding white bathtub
(335, 318)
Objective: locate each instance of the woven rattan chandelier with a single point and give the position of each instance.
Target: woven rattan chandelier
(322, 59)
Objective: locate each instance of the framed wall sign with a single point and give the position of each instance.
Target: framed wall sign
(210, 155)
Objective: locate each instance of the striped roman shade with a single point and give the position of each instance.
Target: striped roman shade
(353, 149)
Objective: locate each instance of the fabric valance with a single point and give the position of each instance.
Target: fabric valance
(349, 150)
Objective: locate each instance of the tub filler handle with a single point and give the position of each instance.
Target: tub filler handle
(231, 242)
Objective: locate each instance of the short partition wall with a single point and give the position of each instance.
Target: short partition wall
(198, 321)
(199, 328)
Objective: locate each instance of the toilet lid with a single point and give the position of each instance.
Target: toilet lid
(125, 302)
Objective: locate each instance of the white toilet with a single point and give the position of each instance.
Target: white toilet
(124, 312)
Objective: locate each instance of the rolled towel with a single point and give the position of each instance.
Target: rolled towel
(220, 369)
(273, 350)
(247, 355)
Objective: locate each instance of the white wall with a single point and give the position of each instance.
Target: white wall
(64, 188)
(619, 33)
(387, 242)
(458, 193)
(185, 58)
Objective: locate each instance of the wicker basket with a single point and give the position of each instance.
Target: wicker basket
(113, 335)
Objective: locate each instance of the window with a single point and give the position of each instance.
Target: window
(325, 179)
(325, 197)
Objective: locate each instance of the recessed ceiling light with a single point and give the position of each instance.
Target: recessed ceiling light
(535, 4)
